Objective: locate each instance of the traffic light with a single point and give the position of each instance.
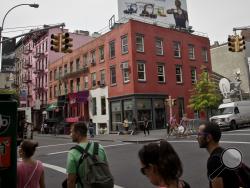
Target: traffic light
(55, 42)
(232, 43)
(66, 43)
(241, 43)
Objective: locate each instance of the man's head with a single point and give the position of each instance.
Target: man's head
(178, 3)
(208, 134)
(78, 131)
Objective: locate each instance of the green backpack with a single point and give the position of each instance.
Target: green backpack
(97, 173)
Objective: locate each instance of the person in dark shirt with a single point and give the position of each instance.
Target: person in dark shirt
(219, 176)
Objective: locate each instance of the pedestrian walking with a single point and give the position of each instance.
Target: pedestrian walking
(145, 125)
(161, 165)
(185, 124)
(219, 176)
(91, 128)
(125, 125)
(30, 172)
(78, 167)
(173, 125)
(134, 126)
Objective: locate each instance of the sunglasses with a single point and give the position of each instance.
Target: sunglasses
(143, 170)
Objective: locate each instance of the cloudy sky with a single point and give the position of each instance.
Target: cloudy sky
(214, 17)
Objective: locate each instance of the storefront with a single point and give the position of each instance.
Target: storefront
(137, 106)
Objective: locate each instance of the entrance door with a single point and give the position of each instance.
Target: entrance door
(159, 118)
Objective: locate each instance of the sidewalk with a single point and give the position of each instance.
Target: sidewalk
(155, 135)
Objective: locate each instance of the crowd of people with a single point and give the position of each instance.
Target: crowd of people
(159, 162)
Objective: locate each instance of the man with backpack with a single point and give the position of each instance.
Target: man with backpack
(219, 175)
(87, 165)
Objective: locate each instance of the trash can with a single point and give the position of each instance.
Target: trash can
(8, 142)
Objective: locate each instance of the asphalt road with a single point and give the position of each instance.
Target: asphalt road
(124, 162)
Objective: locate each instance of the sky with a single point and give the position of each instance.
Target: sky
(216, 18)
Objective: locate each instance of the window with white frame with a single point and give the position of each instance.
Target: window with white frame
(125, 72)
(159, 46)
(191, 51)
(103, 105)
(161, 73)
(93, 59)
(141, 71)
(101, 53)
(102, 75)
(112, 49)
(85, 59)
(177, 49)
(204, 54)
(112, 75)
(94, 110)
(124, 43)
(139, 43)
(86, 82)
(93, 79)
(178, 73)
(193, 76)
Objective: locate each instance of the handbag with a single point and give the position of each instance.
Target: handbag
(31, 175)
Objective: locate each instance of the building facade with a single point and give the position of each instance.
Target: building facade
(130, 72)
(33, 55)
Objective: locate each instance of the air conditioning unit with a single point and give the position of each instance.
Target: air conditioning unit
(124, 66)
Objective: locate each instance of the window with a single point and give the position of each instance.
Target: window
(101, 53)
(103, 105)
(159, 46)
(93, 79)
(161, 73)
(65, 88)
(60, 72)
(55, 93)
(65, 69)
(77, 64)
(180, 103)
(204, 54)
(112, 49)
(78, 84)
(193, 76)
(141, 71)
(124, 43)
(94, 106)
(85, 59)
(60, 89)
(71, 86)
(112, 75)
(55, 74)
(46, 62)
(177, 49)
(191, 51)
(139, 43)
(50, 76)
(50, 92)
(86, 82)
(125, 72)
(178, 72)
(102, 75)
(71, 67)
(93, 59)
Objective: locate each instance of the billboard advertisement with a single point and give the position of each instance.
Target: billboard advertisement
(169, 12)
(8, 55)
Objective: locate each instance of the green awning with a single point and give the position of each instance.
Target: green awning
(51, 107)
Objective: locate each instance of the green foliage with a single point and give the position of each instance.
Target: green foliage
(204, 95)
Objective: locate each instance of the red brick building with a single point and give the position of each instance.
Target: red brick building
(136, 66)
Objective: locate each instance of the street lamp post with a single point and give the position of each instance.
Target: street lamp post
(1, 28)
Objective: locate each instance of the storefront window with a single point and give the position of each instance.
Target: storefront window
(144, 110)
(159, 113)
(116, 115)
(128, 110)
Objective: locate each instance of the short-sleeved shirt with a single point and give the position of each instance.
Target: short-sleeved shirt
(215, 168)
(24, 171)
(74, 156)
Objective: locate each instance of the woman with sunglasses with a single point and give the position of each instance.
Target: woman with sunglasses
(161, 164)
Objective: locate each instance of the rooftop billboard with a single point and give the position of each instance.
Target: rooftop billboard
(169, 12)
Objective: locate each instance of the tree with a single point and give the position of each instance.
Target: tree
(204, 95)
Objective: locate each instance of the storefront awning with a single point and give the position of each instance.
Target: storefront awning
(51, 107)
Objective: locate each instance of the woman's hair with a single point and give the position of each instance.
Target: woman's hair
(164, 157)
(28, 147)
